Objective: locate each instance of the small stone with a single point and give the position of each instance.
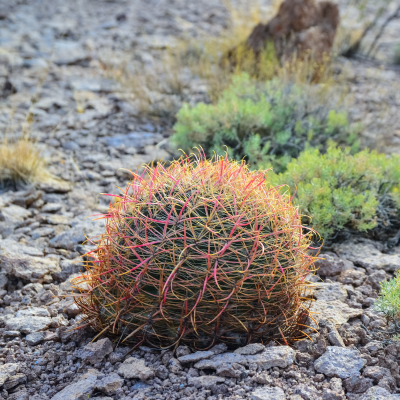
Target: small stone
(335, 310)
(51, 207)
(7, 371)
(205, 381)
(28, 324)
(219, 348)
(80, 390)
(330, 291)
(378, 393)
(33, 339)
(357, 384)
(216, 360)
(14, 380)
(268, 393)
(339, 362)
(231, 370)
(330, 264)
(110, 384)
(95, 352)
(134, 368)
(8, 334)
(279, 356)
(250, 349)
(199, 355)
(182, 351)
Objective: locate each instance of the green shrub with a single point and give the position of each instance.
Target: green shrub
(388, 301)
(344, 191)
(265, 123)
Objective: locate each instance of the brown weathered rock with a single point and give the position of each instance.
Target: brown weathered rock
(300, 27)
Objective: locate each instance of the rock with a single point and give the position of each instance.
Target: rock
(33, 339)
(78, 234)
(80, 390)
(25, 262)
(357, 384)
(330, 292)
(231, 370)
(335, 311)
(250, 349)
(7, 371)
(268, 393)
(330, 264)
(355, 277)
(366, 255)
(110, 384)
(300, 26)
(68, 52)
(33, 311)
(95, 352)
(305, 391)
(55, 186)
(14, 380)
(14, 214)
(279, 356)
(199, 355)
(205, 381)
(135, 368)
(51, 208)
(378, 393)
(182, 351)
(28, 324)
(339, 362)
(216, 360)
(219, 348)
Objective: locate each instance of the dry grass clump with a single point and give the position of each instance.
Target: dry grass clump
(21, 162)
(198, 252)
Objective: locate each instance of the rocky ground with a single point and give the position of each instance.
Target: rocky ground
(49, 66)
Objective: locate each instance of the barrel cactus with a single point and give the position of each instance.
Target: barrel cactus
(198, 252)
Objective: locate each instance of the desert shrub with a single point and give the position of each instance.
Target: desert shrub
(265, 123)
(21, 162)
(343, 191)
(198, 252)
(388, 301)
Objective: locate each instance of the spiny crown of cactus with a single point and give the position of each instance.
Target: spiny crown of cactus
(198, 252)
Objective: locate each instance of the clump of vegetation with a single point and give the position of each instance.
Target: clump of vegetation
(388, 301)
(21, 162)
(265, 123)
(198, 252)
(341, 191)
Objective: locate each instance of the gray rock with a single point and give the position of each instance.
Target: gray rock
(357, 384)
(219, 348)
(7, 371)
(95, 352)
(231, 370)
(78, 234)
(306, 391)
(110, 384)
(25, 262)
(339, 362)
(33, 339)
(33, 311)
(182, 351)
(67, 52)
(378, 393)
(330, 292)
(194, 357)
(80, 390)
(268, 393)
(330, 264)
(134, 368)
(366, 255)
(205, 381)
(250, 349)
(335, 310)
(51, 207)
(28, 324)
(14, 380)
(219, 359)
(279, 356)
(15, 214)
